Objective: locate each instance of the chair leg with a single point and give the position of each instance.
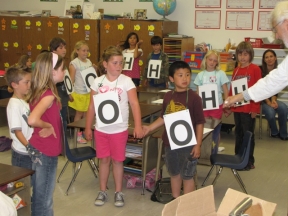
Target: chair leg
(217, 175)
(93, 167)
(63, 170)
(239, 180)
(74, 177)
(209, 173)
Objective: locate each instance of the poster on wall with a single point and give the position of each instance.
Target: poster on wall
(207, 3)
(112, 0)
(207, 19)
(239, 20)
(247, 4)
(268, 4)
(264, 21)
(49, 0)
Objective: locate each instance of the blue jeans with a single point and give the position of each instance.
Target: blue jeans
(43, 182)
(215, 138)
(21, 160)
(270, 113)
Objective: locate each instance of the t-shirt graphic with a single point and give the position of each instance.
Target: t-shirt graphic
(174, 107)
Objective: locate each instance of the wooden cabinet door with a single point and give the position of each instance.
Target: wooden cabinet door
(57, 27)
(10, 41)
(33, 36)
(88, 30)
(112, 32)
(145, 31)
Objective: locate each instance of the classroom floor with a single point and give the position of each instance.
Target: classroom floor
(268, 181)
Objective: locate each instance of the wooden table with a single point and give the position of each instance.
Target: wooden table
(9, 174)
(145, 93)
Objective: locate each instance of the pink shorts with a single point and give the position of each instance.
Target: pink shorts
(216, 113)
(111, 145)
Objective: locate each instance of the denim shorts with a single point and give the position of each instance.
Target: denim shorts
(179, 161)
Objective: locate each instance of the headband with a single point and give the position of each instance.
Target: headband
(54, 59)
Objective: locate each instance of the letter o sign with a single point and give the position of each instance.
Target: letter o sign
(69, 85)
(172, 132)
(87, 79)
(100, 112)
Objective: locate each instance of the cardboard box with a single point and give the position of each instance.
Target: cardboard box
(201, 203)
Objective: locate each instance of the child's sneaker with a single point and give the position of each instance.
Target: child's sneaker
(101, 198)
(118, 199)
(80, 138)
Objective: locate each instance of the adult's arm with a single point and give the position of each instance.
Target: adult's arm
(270, 85)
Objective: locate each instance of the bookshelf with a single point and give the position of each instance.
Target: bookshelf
(174, 47)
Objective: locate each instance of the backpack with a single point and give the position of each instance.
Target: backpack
(162, 192)
(5, 143)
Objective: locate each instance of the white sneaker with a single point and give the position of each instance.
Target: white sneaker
(101, 198)
(118, 199)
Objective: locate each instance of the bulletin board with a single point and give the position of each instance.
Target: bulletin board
(207, 3)
(207, 19)
(239, 20)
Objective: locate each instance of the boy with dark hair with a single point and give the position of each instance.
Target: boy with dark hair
(19, 79)
(157, 54)
(244, 116)
(181, 163)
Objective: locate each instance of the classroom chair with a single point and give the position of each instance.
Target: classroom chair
(78, 155)
(234, 162)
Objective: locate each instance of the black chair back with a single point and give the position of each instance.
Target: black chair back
(245, 148)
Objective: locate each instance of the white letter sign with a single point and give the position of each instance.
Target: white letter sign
(68, 83)
(179, 129)
(128, 59)
(154, 69)
(239, 86)
(209, 95)
(88, 75)
(107, 109)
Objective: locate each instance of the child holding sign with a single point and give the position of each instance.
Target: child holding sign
(132, 45)
(246, 74)
(81, 96)
(114, 91)
(157, 54)
(218, 80)
(181, 162)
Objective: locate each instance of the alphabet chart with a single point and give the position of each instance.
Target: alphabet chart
(240, 4)
(207, 3)
(264, 21)
(239, 20)
(207, 19)
(268, 4)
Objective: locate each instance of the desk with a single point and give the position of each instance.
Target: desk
(206, 146)
(145, 93)
(3, 116)
(9, 174)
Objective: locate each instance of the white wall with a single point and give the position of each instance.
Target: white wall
(184, 14)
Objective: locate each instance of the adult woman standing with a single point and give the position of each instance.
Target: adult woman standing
(271, 106)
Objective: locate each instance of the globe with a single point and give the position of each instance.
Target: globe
(164, 7)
